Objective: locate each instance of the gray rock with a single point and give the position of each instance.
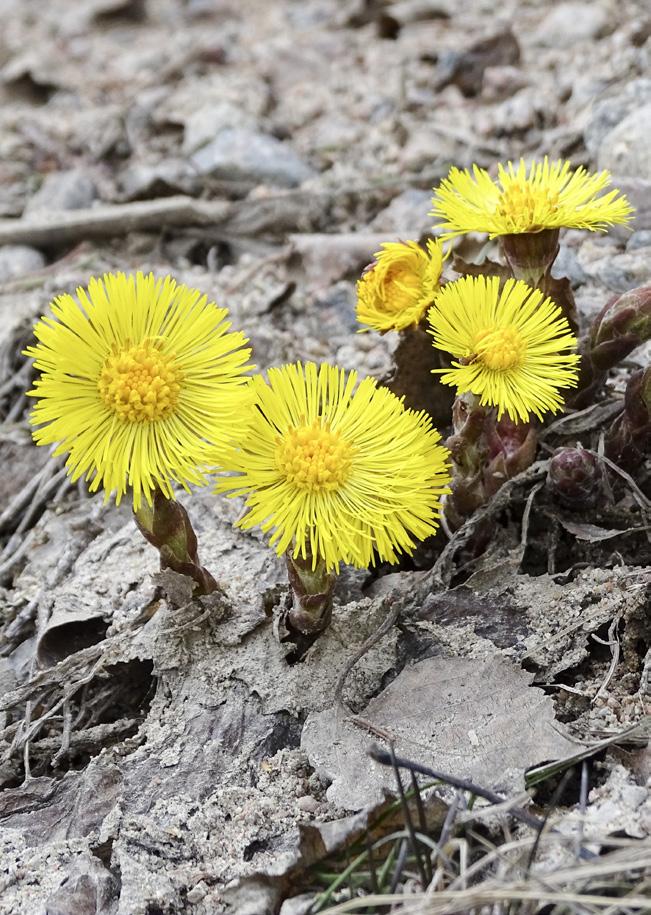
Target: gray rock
(407, 216)
(638, 192)
(70, 190)
(567, 264)
(204, 124)
(568, 23)
(608, 112)
(625, 150)
(640, 239)
(154, 180)
(237, 154)
(18, 260)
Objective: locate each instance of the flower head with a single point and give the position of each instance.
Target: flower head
(398, 287)
(550, 195)
(338, 472)
(141, 383)
(513, 345)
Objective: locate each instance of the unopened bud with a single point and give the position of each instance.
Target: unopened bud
(621, 326)
(628, 440)
(574, 476)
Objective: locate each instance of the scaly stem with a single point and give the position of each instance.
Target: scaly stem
(166, 525)
(312, 594)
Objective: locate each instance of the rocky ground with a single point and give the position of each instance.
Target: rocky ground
(164, 756)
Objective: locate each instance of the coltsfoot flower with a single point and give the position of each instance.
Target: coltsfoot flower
(396, 290)
(141, 383)
(548, 195)
(513, 345)
(339, 472)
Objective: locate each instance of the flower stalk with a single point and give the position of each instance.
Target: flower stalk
(166, 525)
(312, 585)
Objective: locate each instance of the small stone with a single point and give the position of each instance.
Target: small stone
(639, 240)
(568, 23)
(69, 190)
(634, 795)
(141, 180)
(18, 260)
(502, 82)
(626, 150)
(204, 124)
(609, 112)
(308, 804)
(407, 216)
(197, 893)
(237, 154)
(567, 264)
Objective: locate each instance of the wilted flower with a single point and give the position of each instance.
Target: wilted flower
(549, 195)
(513, 345)
(338, 471)
(140, 382)
(396, 289)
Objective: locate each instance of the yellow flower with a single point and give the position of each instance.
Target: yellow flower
(550, 195)
(399, 286)
(140, 382)
(513, 345)
(338, 472)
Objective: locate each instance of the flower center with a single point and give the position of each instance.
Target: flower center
(139, 383)
(500, 349)
(402, 288)
(314, 458)
(523, 205)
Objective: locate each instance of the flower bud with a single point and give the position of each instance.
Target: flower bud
(629, 438)
(622, 325)
(574, 476)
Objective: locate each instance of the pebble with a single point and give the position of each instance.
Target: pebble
(566, 24)
(640, 239)
(204, 124)
(18, 260)
(308, 804)
(407, 216)
(237, 154)
(197, 893)
(634, 795)
(609, 112)
(69, 190)
(140, 180)
(626, 150)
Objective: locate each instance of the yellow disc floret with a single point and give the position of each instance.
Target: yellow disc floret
(396, 290)
(501, 349)
(525, 208)
(514, 348)
(313, 458)
(140, 383)
(547, 195)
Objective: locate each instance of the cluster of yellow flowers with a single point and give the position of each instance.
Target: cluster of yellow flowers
(513, 346)
(144, 385)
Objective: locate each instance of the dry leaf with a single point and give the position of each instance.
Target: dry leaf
(477, 719)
